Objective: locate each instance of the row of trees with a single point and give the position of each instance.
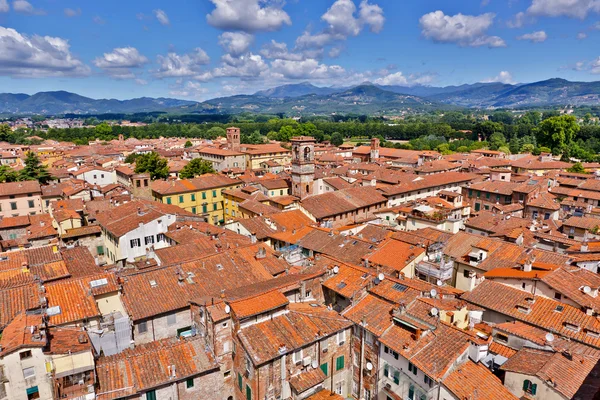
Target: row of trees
(158, 167)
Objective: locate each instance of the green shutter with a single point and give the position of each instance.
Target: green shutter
(533, 388)
(386, 370)
(151, 395)
(248, 393)
(180, 199)
(168, 200)
(193, 210)
(100, 250)
(193, 197)
(397, 377)
(189, 383)
(477, 206)
(339, 363)
(214, 193)
(240, 380)
(324, 369)
(204, 208)
(214, 206)
(203, 195)
(526, 384)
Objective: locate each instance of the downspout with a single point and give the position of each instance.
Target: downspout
(362, 353)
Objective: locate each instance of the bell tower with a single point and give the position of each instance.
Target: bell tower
(374, 149)
(233, 138)
(303, 166)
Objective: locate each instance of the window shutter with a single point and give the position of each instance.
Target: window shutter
(339, 363)
(533, 388)
(526, 384)
(324, 369)
(240, 380)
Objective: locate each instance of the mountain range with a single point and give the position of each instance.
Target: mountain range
(305, 98)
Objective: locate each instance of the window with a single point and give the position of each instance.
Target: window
(193, 196)
(33, 393)
(248, 365)
(557, 296)
(168, 200)
(13, 205)
(203, 195)
(149, 240)
(523, 285)
(24, 355)
(151, 395)
(466, 273)
(367, 395)
(193, 210)
(214, 206)
(143, 327)
(100, 250)
(248, 393)
(28, 372)
(324, 345)
(339, 387)
(181, 199)
(428, 381)
(341, 337)
(189, 383)
(396, 377)
(204, 208)
(297, 357)
(240, 381)
(30, 203)
(171, 319)
(386, 370)
(324, 368)
(101, 175)
(412, 368)
(529, 387)
(339, 363)
(135, 243)
(160, 237)
(214, 193)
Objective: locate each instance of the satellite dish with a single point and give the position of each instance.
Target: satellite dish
(314, 364)
(336, 269)
(433, 292)
(434, 311)
(227, 308)
(369, 366)
(381, 276)
(549, 337)
(587, 289)
(439, 283)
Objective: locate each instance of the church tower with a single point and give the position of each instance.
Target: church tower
(303, 166)
(233, 138)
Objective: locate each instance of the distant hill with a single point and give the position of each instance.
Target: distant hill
(305, 98)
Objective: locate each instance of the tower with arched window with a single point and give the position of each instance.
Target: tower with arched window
(303, 166)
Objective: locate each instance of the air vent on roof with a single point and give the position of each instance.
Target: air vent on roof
(365, 275)
(153, 283)
(341, 285)
(219, 267)
(559, 308)
(53, 311)
(399, 287)
(99, 282)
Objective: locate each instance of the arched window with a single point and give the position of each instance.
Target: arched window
(307, 154)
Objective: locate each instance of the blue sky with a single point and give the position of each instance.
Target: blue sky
(199, 49)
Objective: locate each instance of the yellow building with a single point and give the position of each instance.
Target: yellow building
(233, 197)
(202, 195)
(260, 153)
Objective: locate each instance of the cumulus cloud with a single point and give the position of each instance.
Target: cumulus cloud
(279, 50)
(181, 65)
(25, 7)
(72, 12)
(519, 20)
(342, 23)
(236, 43)
(502, 77)
(581, 35)
(305, 69)
(162, 17)
(37, 56)
(188, 89)
(567, 8)
(121, 62)
(4, 7)
(399, 79)
(245, 66)
(534, 37)
(248, 15)
(464, 30)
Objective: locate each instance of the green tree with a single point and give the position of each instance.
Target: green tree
(527, 148)
(215, 132)
(497, 140)
(34, 170)
(153, 164)
(196, 167)
(130, 159)
(504, 149)
(577, 168)
(337, 139)
(5, 133)
(188, 144)
(7, 174)
(103, 129)
(558, 132)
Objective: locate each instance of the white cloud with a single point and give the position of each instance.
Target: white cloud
(162, 17)
(502, 77)
(179, 65)
(579, 66)
(519, 20)
(581, 35)
(248, 15)
(188, 89)
(246, 66)
(120, 62)
(25, 7)
(567, 8)
(464, 30)
(37, 56)
(141, 81)
(236, 43)
(399, 79)
(342, 23)
(72, 12)
(335, 52)
(534, 37)
(4, 7)
(305, 69)
(595, 66)
(279, 50)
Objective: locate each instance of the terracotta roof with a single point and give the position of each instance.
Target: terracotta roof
(471, 380)
(83, 231)
(17, 300)
(17, 188)
(17, 335)
(203, 182)
(394, 254)
(374, 312)
(257, 305)
(342, 201)
(325, 395)
(564, 373)
(307, 379)
(501, 350)
(148, 366)
(301, 326)
(587, 223)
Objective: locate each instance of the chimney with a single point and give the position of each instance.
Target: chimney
(584, 246)
(253, 237)
(528, 263)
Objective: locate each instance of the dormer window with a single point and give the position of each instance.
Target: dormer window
(572, 326)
